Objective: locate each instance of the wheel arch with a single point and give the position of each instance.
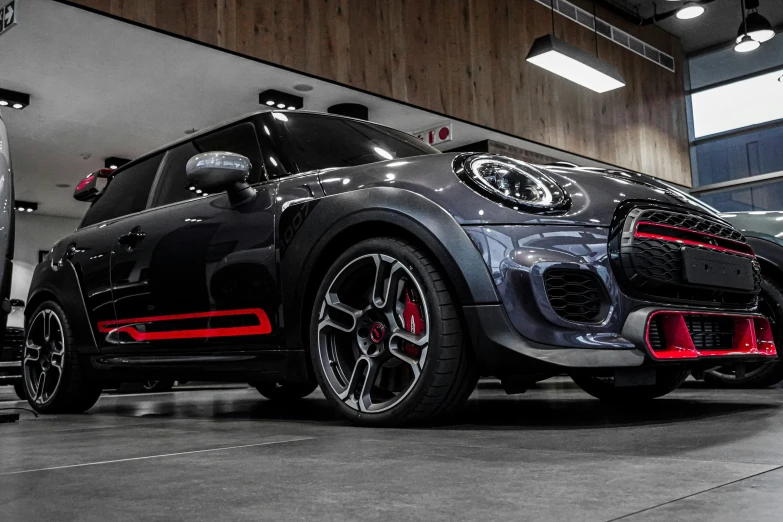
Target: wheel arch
(337, 222)
(62, 287)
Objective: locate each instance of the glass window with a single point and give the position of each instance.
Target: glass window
(768, 196)
(174, 186)
(739, 104)
(737, 157)
(317, 142)
(127, 192)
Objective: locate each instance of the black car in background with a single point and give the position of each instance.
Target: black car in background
(764, 231)
(290, 249)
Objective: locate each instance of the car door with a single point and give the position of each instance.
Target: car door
(192, 274)
(90, 249)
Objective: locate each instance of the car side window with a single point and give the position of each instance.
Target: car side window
(127, 192)
(173, 185)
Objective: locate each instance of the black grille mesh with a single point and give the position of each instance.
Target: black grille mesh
(654, 267)
(708, 332)
(575, 295)
(13, 342)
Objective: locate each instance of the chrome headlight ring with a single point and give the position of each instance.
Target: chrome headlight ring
(512, 183)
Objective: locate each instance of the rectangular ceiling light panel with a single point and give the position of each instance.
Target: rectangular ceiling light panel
(610, 32)
(574, 64)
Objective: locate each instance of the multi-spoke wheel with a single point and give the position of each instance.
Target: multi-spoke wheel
(51, 370)
(386, 339)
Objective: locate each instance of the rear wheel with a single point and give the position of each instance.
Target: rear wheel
(758, 375)
(53, 375)
(667, 380)
(285, 391)
(386, 338)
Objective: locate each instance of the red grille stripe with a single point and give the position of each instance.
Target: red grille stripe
(748, 252)
(262, 328)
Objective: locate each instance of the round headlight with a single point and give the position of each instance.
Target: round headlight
(513, 182)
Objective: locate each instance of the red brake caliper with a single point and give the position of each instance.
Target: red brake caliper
(414, 322)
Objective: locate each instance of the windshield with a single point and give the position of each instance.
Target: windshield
(316, 141)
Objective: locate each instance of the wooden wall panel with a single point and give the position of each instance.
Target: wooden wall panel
(462, 58)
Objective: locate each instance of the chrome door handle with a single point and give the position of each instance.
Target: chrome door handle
(132, 237)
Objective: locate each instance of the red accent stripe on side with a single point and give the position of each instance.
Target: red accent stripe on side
(262, 328)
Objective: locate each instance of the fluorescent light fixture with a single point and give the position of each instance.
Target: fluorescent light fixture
(689, 11)
(574, 64)
(736, 105)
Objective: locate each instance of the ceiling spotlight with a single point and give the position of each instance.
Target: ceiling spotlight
(746, 44)
(17, 100)
(303, 87)
(26, 206)
(689, 11)
(281, 100)
(758, 28)
(114, 162)
(574, 64)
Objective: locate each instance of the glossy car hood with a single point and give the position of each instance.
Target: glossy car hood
(595, 195)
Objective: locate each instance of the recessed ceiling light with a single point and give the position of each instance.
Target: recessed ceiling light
(303, 87)
(281, 100)
(62, 185)
(26, 206)
(17, 100)
(690, 11)
(114, 162)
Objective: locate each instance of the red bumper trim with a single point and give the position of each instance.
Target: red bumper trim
(123, 325)
(752, 336)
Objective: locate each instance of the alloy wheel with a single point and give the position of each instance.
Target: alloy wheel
(373, 333)
(44, 356)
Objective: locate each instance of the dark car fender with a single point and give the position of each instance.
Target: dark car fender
(61, 284)
(770, 255)
(325, 227)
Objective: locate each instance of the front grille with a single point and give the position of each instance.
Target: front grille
(575, 295)
(652, 261)
(13, 342)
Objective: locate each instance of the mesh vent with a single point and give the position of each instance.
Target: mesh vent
(575, 295)
(710, 332)
(13, 343)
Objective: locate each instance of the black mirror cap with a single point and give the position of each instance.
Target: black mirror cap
(216, 171)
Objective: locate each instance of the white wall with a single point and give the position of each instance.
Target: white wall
(34, 233)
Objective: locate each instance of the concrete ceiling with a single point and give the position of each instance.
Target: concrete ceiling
(100, 87)
(718, 25)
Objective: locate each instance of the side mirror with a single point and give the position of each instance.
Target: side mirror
(215, 171)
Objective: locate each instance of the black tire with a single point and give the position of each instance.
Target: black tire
(448, 374)
(760, 375)
(73, 392)
(285, 392)
(667, 380)
(20, 391)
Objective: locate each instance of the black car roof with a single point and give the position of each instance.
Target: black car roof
(226, 123)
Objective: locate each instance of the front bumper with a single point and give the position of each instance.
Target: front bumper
(525, 334)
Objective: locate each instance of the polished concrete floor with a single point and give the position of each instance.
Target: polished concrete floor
(225, 453)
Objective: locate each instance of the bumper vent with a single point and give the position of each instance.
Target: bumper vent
(575, 295)
(687, 335)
